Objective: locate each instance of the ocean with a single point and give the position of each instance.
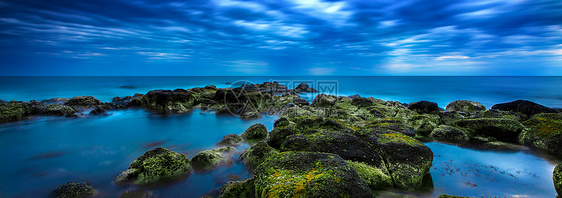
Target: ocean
(42, 153)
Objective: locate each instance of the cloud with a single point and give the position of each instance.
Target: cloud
(451, 57)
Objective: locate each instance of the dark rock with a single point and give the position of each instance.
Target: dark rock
(59, 110)
(60, 101)
(323, 100)
(170, 166)
(73, 190)
(230, 140)
(278, 135)
(303, 87)
(465, 106)
(499, 128)
(304, 174)
(362, 102)
(391, 126)
(524, 106)
(167, 101)
(424, 124)
(14, 111)
(209, 159)
(281, 122)
(255, 132)
(424, 107)
(257, 154)
(83, 101)
(449, 134)
(449, 117)
(99, 111)
(494, 113)
(126, 102)
(237, 189)
(135, 194)
(557, 179)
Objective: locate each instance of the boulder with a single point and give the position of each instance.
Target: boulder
(209, 159)
(376, 178)
(544, 132)
(303, 87)
(424, 107)
(407, 159)
(257, 154)
(449, 134)
(323, 100)
(465, 106)
(237, 189)
(83, 101)
(391, 126)
(557, 179)
(524, 106)
(494, 113)
(73, 190)
(278, 135)
(167, 101)
(305, 174)
(99, 111)
(14, 111)
(155, 166)
(424, 124)
(255, 132)
(230, 140)
(281, 122)
(59, 110)
(502, 129)
(59, 100)
(449, 117)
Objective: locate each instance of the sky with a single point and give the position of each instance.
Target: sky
(280, 37)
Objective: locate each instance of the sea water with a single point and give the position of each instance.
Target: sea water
(42, 153)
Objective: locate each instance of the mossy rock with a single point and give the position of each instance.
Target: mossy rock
(502, 146)
(362, 102)
(382, 111)
(449, 117)
(278, 135)
(58, 110)
(407, 159)
(73, 190)
(209, 159)
(557, 179)
(135, 194)
(524, 106)
(323, 100)
(14, 111)
(544, 132)
(391, 126)
(424, 124)
(257, 154)
(255, 132)
(494, 113)
(377, 178)
(502, 129)
(167, 101)
(449, 134)
(423, 106)
(450, 196)
(155, 166)
(230, 140)
(83, 101)
(237, 189)
(344, 145)
(281, 122)
(465, 106)
(306, 174)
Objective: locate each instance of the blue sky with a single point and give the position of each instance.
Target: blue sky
(280, 37)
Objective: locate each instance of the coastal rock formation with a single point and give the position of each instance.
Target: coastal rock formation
(303, 87)
(209, 159)
(73, 190)
(237, 189)
(494, 113)
(257, 154)
(83, 101)
(502, 129)
(155, 166)
(424, 107)
(99, 111)
(167, 101)
(59, 110)
(545, 132)
(230, 140)
(449, 134)
(256, 132)
(14, 111)
(465, 106)
(524, 106)
(557, 179)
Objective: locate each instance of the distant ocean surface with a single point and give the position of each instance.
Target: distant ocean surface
(39, 154)
(486, 90)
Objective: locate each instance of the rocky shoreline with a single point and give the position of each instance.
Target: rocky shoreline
(333, 147)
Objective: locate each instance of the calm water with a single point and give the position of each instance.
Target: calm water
(42, 153)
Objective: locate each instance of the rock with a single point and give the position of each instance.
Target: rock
(407, 159)
(14, 111)
(60, 101)
(209, 159)
(126, 102)
(135, 194)
(281, 122)
(494, 113)
(557, 179)
(73, 190)
(450, 196)
(502, 146)
(99, 111)
(502, 129)
(305, 174)
(424, 124)
(257, 154)
(255, 132)
(449, 117)
(278, 135)
(424, 107)
(237, 189)
(449, 134)
(58, 110)
(544, 132)
(230, 140)
(303, 87)
(83, 101)
(390, 126)
(323, 100)
(155, 166)
(376, 178)
(524, 106)
(167, 101)
(362, 102)
(465, 106)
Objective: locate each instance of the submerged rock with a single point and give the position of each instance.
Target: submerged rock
(230, 140)
(424, 107)
(524, 106)
(73, 190)
(304, 174)
(449, 134)
(83, 101)
(499, 128)
(465, 106)
(209, 159)
(545, 132)
(155, 166)
(255, 132)
(557, 179)
(99, 111)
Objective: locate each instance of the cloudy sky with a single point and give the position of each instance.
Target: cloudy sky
(280, 37)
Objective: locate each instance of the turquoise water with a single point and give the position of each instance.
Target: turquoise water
(43, 153)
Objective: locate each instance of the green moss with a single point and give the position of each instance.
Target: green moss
(237, 189)
(376, 178)
(399, 138)
(14, 111)
(255, 132)
(541, 127)
(257, 154)
(156, 165)
(557, 179)
(424, 124)
(73, 190)
(449, 133)
(502, 129)
(209, 159)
